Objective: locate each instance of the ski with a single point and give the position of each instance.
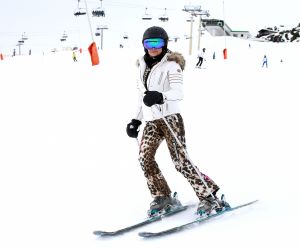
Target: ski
(143, 223)
(189, 224)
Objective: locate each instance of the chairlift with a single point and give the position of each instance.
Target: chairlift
(125, 36)
(97, 33)
(64, 37)
(164, 17)
(146, 16)
(176, 38)
(99, 12)
(101, 27)
(24, 37)
(79, 11)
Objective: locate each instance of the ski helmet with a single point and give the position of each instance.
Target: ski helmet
(156, 32)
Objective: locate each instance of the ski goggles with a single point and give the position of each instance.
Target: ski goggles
(154, 43)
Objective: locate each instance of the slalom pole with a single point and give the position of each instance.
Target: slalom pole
(185, 152)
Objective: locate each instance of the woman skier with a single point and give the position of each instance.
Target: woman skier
(160, 90)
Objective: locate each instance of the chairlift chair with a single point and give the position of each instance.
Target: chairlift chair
(125, 36)
(164, 17)
(79, 11)
(24, 37)
(65, 36)
(176, 38)
(99, 12)
(146, 16)
(190, 20)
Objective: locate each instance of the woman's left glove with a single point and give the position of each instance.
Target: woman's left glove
(153, 97)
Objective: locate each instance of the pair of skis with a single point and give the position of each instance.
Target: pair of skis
(171, 230)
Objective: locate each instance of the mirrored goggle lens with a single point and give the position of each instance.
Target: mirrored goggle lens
(154, 43)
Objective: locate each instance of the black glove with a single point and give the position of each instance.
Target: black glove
(153, 97)
(132, 128)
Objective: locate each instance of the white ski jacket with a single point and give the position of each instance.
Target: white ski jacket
(164, 77)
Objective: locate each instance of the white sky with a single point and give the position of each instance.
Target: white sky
(45, 21)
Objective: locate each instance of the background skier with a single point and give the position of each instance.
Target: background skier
(265, 61)
(200, 56)
(74, 56)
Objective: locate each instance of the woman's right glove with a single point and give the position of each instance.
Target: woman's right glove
(132, 128)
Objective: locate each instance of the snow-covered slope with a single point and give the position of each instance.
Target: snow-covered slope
(67, 166)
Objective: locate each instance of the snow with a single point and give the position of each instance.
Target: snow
(67, 167)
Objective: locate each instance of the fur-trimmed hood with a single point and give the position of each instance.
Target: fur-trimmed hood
(178, 58)
(172, 56)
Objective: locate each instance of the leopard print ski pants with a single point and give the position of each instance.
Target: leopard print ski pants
(153, 134)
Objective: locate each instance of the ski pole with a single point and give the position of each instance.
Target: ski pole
(185, 152)
(137, 140)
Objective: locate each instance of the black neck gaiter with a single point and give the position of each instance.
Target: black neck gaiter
(151, 61)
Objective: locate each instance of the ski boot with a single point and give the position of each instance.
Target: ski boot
(212, 205)
(163, 204)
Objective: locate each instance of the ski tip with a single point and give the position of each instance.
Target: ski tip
(146, 234)
(103, 233)
(253, 201)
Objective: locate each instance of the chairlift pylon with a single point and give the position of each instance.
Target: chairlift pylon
(146, 16)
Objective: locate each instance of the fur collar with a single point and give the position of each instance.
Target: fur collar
(173, 56)
(178, 58)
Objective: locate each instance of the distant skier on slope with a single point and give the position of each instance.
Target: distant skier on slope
(160, 85)
(265, 61)
(201, 57)
(74, 56)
